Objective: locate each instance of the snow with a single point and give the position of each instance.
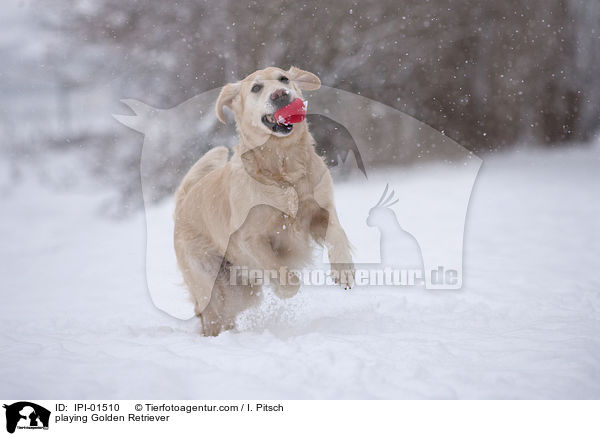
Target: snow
(78, 321)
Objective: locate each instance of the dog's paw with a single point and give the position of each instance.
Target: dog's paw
(343, 274)
(288, 286)
(211, 327)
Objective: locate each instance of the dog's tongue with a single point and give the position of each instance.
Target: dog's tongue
(295, 112)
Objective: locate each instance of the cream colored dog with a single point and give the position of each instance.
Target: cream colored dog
(263, 209)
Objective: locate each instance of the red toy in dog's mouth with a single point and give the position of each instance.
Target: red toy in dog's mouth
(281, 121)
(293, 113)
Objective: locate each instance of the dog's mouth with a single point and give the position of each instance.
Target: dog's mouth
(276, 126)
(283, 119)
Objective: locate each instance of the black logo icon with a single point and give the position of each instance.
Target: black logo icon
(26, 415)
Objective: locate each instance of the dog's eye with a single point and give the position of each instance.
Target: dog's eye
(256, 88)
(284, 79)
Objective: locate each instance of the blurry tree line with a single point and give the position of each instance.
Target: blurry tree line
(487, 73)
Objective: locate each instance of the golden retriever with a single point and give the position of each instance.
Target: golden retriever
(262, 209)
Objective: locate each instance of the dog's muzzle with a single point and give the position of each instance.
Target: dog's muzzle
(288, 112)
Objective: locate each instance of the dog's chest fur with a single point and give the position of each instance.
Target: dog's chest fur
(283, 166)
(288, 167)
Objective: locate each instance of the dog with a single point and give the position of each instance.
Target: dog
(265, 208)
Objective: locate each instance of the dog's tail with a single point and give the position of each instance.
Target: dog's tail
(215, 158)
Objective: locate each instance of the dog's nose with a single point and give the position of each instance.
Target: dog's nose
(281, 95)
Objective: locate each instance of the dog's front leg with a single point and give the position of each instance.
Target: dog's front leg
(339, 253)
(338, 247)
(336, 240)
(286, 283)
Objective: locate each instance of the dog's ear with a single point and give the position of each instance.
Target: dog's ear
(228, 93)
(305, 80)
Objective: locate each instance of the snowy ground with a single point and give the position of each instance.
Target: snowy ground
(77, 320)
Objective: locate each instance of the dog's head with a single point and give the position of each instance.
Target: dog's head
(256, 98)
